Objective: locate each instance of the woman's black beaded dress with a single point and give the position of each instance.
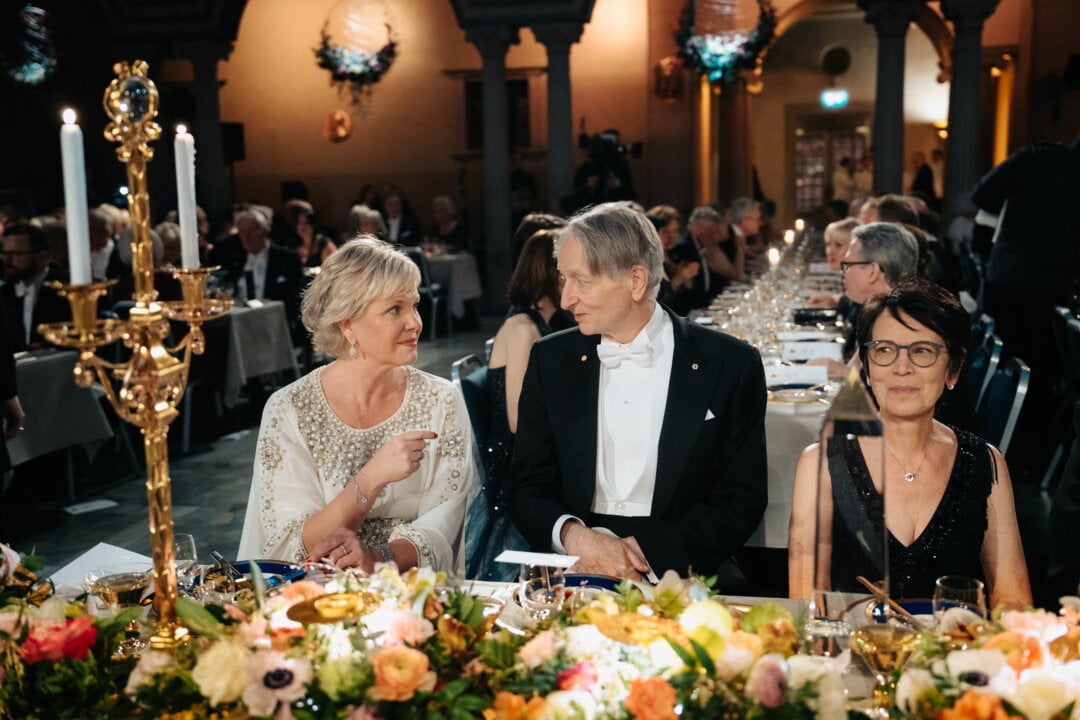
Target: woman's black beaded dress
(951, 543)
(489, 529)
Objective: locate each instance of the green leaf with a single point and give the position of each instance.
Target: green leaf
(703, 658)
(197, 618)
(258, 584)
(454, 688)
(685, 656)
(765, 613)
(121, 619)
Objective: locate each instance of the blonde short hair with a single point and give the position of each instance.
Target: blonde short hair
(360, 272)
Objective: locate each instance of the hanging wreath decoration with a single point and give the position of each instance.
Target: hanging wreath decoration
(31, 61)
(347, 50)
(722, 57)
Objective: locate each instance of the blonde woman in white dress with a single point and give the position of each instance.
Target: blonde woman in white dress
(367, 459)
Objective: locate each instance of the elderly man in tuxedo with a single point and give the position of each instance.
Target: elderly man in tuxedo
(641, 439)
(262, 271)
(27, 296)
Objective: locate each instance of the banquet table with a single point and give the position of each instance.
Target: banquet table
(59, 414)
(461, 277)
(247, 342)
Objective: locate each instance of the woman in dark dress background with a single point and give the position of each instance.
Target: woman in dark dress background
(534, 298)
(948, 498)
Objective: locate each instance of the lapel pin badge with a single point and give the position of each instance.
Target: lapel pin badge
(694, 366)
(584, 358)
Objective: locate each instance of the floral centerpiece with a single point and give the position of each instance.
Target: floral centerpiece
(1023, 665)
(722, 57)
(405, 646)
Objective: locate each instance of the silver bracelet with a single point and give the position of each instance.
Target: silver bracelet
(383, 550)
(361, 497)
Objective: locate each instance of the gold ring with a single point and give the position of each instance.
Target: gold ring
(344, 550)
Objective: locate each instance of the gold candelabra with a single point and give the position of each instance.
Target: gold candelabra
(145, 389)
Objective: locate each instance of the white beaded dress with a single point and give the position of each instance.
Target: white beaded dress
(306, 455)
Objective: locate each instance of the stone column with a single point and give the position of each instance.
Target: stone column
(962, 150)
(890, 19)
(213, 191)
(557, 38)
(733, 143)
(493, 42)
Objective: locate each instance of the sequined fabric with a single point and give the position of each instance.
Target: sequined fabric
(306, 457)
(951, 543)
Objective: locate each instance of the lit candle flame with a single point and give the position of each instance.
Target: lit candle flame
(68, 116)
(181, 129)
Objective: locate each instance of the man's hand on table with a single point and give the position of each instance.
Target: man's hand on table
(603, 554)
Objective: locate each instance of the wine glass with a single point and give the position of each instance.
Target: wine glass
(958, 591)
(187, 572)
(884, 647)
(541, 590)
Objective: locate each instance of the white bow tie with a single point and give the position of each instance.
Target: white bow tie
(21, 289)
(612, 354)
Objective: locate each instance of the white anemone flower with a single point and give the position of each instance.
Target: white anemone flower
(1041, 697)
(911, 686)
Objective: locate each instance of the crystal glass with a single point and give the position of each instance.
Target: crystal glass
(958, 591)
(884, 647)
(187, 570)
(216, 587)
(541, 592)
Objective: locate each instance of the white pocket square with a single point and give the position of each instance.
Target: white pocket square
(709, 415)
(281, 279)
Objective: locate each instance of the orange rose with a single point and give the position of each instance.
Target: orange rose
(1021, 651)
(652, 699)
(508, 706)
(974, 705)
(399, 673)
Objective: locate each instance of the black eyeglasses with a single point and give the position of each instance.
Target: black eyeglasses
(845, 264)
(921, 354)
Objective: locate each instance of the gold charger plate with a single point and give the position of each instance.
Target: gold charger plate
(335, 607)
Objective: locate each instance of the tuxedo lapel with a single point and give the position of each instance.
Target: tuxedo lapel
(692, 384)
(580, 396)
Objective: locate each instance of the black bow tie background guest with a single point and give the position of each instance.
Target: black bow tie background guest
(643, 464)
(27, 297)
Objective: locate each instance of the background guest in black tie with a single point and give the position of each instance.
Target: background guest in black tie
(402, 227)
(27, 298)
(641, 439)
(265, 271)
(11, 413)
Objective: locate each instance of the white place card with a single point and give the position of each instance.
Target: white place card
(520, 557)
(795, 375)
(803, 335)
(811, 350)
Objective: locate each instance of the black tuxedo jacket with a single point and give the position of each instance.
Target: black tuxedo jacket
(711, 484)
(284, 281)
(48, 308)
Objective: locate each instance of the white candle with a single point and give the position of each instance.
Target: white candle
(774, 257)
(184, 149)
(789, 237)
(800, 225)
(78, 217)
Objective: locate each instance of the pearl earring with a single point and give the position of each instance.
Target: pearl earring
(352, 348)
(951, 386)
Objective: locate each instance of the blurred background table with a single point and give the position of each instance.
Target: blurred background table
(458, 273)
(59, 414)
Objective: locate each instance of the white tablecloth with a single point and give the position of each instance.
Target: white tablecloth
(59, 414)
(459, 274)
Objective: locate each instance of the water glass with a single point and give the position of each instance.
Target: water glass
(952, 591)
(187, 571)
(541, 591)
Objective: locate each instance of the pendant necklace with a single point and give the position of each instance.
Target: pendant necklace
(910, 476)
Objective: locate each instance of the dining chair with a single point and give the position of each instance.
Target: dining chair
(1000, 406)
(982, 360)
(469, 374)
(435, 294)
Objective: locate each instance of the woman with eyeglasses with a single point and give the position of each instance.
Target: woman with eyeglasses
(948, 499)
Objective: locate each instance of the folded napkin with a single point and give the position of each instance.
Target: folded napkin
(779, 375)
(811, 350)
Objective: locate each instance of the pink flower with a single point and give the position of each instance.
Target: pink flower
(579, 677)
(53, 642)
(539, 650)
(9, 563)
(768, 681)
(407, 629)
(361, 713)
